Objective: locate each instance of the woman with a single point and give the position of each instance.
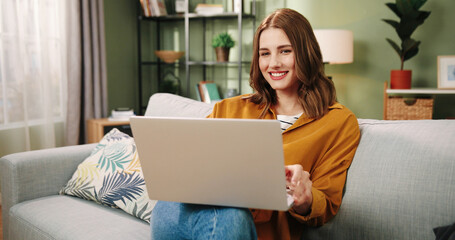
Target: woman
(320, 137)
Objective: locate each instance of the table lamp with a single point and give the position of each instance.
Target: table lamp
(337, 46)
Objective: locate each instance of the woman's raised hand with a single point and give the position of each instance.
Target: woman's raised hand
(299, 184)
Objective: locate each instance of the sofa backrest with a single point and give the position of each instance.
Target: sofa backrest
(401, 183)
(170, 105)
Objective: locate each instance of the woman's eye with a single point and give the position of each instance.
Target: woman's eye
(263, 54)
(286, 51)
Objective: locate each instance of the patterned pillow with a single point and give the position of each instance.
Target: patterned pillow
(112, 176)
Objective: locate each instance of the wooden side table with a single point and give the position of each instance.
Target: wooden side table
(97, 128)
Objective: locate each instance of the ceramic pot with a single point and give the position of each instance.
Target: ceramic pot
(400, 79)
(222, 54)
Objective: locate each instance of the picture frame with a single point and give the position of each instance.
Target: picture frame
(446, 72)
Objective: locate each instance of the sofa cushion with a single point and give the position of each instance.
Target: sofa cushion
(66, 217)
(112, 176)
(170, 105)
(400, 184)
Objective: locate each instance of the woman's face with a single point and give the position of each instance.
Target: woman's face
(277, 61)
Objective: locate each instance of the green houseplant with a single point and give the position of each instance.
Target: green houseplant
(222, 43)
(410, 18)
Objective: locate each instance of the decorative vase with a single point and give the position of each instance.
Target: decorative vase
(400, 79)
(222, 54)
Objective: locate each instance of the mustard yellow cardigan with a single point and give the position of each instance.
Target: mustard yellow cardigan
(324, 147)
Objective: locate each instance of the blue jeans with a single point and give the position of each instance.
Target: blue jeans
(172, 220)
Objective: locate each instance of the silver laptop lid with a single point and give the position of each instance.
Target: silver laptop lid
(226, 162)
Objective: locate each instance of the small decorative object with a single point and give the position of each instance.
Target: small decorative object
(209, 9)
(410, 19)
(121, 114)
(222, 43)
(446, 72)
(180, 6)
(170, 83)
(237, 6)
(169, 56)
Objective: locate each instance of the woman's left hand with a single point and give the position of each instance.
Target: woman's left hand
(299, 183)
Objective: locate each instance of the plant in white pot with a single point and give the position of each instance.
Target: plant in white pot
(410, 18)
(222, 43)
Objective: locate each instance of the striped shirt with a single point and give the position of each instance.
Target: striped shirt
(287, 121)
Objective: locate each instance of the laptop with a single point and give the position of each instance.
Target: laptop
(224, 162)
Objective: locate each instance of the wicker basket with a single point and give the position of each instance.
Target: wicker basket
(399, 108)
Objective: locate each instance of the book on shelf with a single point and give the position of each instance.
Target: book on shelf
(160, 8)
(208, 92)
(146, 8)
(209, 9)
(153, 8)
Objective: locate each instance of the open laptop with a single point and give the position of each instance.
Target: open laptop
(225, 162)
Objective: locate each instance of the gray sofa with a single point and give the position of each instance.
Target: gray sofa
(400, 185)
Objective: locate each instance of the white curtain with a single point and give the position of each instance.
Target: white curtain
(34, 70)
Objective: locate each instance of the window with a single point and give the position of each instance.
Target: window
(32, 62)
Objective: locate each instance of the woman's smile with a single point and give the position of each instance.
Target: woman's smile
(278, 75)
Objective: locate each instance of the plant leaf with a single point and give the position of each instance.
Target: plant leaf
(422, 16)
(395, 46)
(142, 213)
(409, 24)
(86, 170)
(410, 48)
(223, 40)
(115, 156)
(393, 23)
(406, 9)
(394, 9)
(418, 3)
(80, 188)
(120, 186)
(134, 165)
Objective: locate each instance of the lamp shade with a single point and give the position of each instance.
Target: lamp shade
(337, 46)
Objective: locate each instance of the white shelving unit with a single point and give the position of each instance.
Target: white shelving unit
(414, 92)
(187, 63)
(430, 91)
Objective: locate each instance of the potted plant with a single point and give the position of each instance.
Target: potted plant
(222, 43)
(410, 18)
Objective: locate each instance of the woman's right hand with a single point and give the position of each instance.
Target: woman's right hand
(300, 185)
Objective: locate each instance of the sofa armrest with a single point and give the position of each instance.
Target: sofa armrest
(34, 174)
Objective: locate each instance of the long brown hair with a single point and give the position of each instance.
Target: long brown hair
(316, 91)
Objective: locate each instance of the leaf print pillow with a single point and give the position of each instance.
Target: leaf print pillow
(112, 176)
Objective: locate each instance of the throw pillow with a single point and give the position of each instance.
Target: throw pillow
(112, 176)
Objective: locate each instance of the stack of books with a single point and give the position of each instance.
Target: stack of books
(153, 8)
(121, 114)
(207, 92)
(209, 9)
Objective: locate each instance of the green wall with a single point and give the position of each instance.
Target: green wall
(121, 52)
(359, 85)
